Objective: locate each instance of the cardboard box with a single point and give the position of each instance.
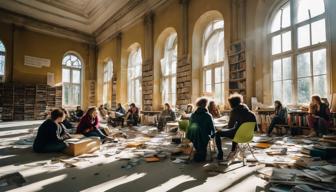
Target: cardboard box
(82, 146)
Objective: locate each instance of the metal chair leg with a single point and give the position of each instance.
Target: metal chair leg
(251, 151)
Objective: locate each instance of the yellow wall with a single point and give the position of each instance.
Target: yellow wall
(20, 42)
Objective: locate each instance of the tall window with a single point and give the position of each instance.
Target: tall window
(299, 51)
(71, 78)
(108, 72)
(168, 68)
(213, 60)
(2, 60)
(134, 77)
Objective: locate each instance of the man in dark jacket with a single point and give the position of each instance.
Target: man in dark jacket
(239, 114)
(51, 135)
(200, 129)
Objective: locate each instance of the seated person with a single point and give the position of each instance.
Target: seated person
(119, 116)
(280, 116)
(79, 113)
(103, 112)
(51, 135)
(200, 129)
(166, 115)
(89, 125)
(239, 114)
(66, 123)
(213, 110)
(187, 113)
(132, 115)
(319, 117)
(120, 111)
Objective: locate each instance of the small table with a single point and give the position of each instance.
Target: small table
(170, 125)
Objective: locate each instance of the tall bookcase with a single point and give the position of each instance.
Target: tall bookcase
(237, 65)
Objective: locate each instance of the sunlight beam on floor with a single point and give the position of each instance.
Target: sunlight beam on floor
(170, 184)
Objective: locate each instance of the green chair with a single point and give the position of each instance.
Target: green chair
(243, 137)
(183, 126)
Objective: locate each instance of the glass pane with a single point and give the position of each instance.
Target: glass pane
(320, 85)
(76, 95)
(219, 75)
(276, 44)
(208, 77)
(303, 36)
(286, 68)
(312, 7)
(304, 90)
(208, 88)
(277, 90)
(319, 62)
(220, 48)
(66, 75)
(76, 77)
(2, 65)
(286, 41)
(105, 88)
(211, 50)
(277, 70)
(318, 32)
(276, 22)
(219, 95)
(174, 99)
(2, 47)
(287, 91)
(286, 20)
(66, 94)
(303, 65)
(173, 86)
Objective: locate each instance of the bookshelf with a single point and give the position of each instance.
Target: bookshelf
(237, 67)
(28, 102)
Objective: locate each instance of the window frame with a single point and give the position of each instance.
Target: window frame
(295, 50)
(70, 84)
(107, 80)
(169, 53)
(132, 81)
(3, 53)
(213, 66)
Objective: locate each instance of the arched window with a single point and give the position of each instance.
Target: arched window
(108, 72)
(134, 77)
(168, 68)
(299, 51)
(213, 60)
(72, 80)
(2, 60)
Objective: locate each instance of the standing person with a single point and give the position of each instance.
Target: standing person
(319, 116)
(89, 125)
(51, 135)
(187, 113)
(239, 114)
(132, 115)
(280, 116)
(79, 113)
(213, 110)
(168, 114)
(200, 129)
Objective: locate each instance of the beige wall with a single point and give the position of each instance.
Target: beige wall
(20, 42)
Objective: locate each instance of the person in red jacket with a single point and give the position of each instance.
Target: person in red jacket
(89, 125)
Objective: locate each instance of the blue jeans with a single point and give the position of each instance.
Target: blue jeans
(95, 133)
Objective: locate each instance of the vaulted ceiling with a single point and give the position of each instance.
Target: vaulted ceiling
(90, 19)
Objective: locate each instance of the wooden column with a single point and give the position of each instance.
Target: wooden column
(114, 75)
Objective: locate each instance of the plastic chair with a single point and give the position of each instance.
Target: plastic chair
(243, 137)
(183, 126)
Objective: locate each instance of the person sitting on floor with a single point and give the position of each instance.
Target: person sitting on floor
(79, 113)
(166, 115)
(103, 112)
(280, 116)
(187, 113)
(239, 114)
(51, 135)
(120, 111)
(89, 125)
(66, 123)
(213, 110)
(200, 129)
(319, 116)
(132, 115)
(119, 115)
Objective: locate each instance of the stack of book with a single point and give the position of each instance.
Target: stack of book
(19, 100)
(40, 101)
(58, 96)
(29, 103)
(8, 103)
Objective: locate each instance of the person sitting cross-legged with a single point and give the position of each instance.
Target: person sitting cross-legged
(279, 117)
(200, 129)
(239, 114)
(51, 135)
